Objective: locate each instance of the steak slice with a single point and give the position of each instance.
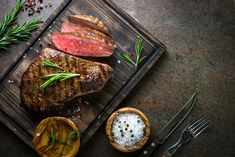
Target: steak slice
(89, 21)
(80, 44)
(86, 31)
(93, 77)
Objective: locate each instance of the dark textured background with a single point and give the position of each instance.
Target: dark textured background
(200, 38)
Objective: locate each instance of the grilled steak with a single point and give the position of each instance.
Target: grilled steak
(86, 31)
(93, 77)
(89, 21)
(81, 44)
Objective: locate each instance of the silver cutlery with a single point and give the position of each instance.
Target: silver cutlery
(169, 128)
(189, 133)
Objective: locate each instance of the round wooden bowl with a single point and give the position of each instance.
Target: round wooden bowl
(137, 146)
(42, 142)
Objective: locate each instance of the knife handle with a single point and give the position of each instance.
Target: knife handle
(149, 149)
(165, 154)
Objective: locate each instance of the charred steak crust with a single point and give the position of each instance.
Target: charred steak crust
(89, 21)
(56, 97)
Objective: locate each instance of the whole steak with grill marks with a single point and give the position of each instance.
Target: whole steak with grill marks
(93, 77)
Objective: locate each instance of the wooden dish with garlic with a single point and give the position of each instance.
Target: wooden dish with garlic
(128, 129)
(56, 137)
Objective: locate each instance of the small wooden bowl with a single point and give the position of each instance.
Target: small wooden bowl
(138, 145)
(41, 138)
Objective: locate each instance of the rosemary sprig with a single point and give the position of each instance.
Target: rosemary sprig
(138, 53)
(53, 138)
(10, 18)
(18, 33)
(53, 78)
(48, 63)
(74, 135)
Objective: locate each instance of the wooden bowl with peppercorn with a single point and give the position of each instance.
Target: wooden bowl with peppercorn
(56, 137)
(128, 129)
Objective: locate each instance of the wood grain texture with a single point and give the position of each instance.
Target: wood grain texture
(97, 107)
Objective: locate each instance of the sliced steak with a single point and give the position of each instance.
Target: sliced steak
(86, 31)
(89, 21)
(93, 77)
(80, 44)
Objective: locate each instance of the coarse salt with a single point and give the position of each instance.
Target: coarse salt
(128, 129)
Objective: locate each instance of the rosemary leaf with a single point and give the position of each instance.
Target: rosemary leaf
(138, 49)
(128, 58)
(53, 138)
(53, 78)
(18, 33)
(138, 53)
(48, 63)
(50, 82)
(10, 18)
(141, 59)
(74, 135)
(69, 76)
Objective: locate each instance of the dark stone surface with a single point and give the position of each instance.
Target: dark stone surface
(200, 37)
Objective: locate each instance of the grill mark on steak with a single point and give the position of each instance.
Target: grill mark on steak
(56, 97)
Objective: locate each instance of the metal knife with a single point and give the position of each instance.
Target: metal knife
(170, 127)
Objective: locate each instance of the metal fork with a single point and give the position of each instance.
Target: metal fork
(189, 133)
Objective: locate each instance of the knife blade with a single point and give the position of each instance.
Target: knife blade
(170, 127)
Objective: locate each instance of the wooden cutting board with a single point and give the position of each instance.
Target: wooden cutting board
(96, 108)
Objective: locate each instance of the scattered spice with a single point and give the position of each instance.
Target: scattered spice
(34, 6)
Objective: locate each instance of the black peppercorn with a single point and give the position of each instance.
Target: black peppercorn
(131, 131)
(132, 135)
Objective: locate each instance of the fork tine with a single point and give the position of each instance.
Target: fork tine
(195, 127)
(202, 129)
(195, 123)
(200, 126)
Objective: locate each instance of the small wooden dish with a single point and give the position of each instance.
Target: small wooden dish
(138, 145)
(62, 127)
